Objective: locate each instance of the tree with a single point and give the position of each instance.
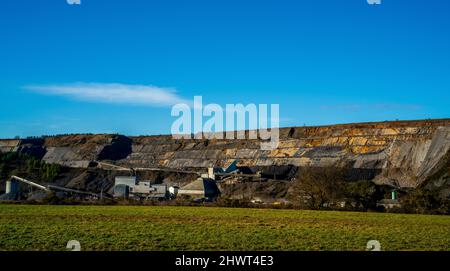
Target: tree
(3, 171)
(315, 188)
(363, 193)
(423, 201)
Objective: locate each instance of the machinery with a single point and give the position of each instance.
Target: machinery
(12, 191)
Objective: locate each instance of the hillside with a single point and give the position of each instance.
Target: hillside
(406, 154)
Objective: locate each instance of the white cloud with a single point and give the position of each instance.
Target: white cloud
(113, 93)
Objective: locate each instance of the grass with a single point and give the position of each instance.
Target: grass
(43, 227)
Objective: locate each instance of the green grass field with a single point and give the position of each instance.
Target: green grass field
(32, 227)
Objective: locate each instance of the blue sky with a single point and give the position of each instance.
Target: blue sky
(77, 68)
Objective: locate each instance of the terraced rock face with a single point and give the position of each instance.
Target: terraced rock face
(403, 153)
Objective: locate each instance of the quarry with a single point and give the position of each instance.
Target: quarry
(399, 155)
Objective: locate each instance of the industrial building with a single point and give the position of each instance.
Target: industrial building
(129, 186)
(200, 189)
(12, 190)
(204, 188)
(214, 171)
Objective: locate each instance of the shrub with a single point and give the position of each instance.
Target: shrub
(316, 188)
(423, 201)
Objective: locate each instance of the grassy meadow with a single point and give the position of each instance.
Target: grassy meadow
(46, 227)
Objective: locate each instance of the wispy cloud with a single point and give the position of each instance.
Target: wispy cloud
(113, 93)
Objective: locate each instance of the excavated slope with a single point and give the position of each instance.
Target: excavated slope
(403, 153)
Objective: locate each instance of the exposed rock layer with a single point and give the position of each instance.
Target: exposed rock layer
(404, 153)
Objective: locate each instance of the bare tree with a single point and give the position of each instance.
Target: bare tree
(315, 188)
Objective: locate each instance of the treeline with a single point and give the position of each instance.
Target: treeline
(57, 135)
(48, 136)
(329, 188)
(14, 163)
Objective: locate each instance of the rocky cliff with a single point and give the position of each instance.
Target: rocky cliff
(402, 153)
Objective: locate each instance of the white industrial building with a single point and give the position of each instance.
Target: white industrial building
(128, 186)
